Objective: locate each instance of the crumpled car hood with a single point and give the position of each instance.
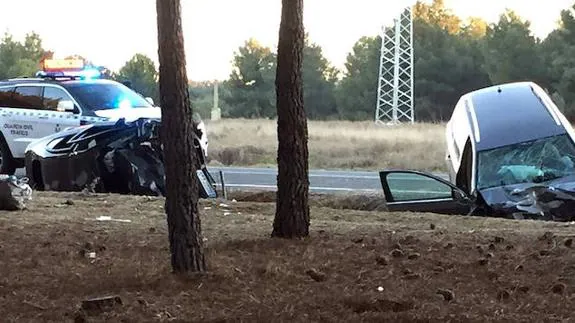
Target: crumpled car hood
(553, 200)
(130, 114)
(133, 114)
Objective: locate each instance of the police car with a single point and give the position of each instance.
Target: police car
(66, 93)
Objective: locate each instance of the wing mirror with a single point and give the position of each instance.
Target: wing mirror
(150, 100)
(459, 195)
(65, 106)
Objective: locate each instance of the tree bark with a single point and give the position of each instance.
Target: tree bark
(292, 208)
(180, 160)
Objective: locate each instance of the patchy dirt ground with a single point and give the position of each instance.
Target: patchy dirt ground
(357, 266)
(361, 202)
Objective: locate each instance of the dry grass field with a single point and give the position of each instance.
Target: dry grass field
(357, 266)
(332, 144)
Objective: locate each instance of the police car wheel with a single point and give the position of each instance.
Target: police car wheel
(7, 163)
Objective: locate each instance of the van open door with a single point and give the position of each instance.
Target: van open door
(407, 190)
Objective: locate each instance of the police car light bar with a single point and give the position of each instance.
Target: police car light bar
(54, 65)
(67, 68)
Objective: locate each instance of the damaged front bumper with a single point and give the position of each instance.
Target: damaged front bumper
(533, 201)
(112, 157)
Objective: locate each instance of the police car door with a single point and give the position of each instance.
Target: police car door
(19, 124)
(59, 111)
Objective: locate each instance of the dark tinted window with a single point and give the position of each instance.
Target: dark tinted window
(53, 95)
(105, 96)
(5, 96)
(27, 97)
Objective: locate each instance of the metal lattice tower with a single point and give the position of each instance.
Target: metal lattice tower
(395, 84)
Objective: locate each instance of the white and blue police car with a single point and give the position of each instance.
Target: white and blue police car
(66, 93)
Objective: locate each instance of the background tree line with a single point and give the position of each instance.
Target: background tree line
(452, 57)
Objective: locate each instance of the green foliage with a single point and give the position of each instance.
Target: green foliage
(559, 58)
(318, 83)
(446, 66)
(438, 15)
(357, 91)
(251, 91)
(20, 59)
(447, 63)
(511, 52)
(475, 28)
(141, 71)
(452, 57)
(202, 96)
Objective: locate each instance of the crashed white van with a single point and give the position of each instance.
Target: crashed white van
(510, 152)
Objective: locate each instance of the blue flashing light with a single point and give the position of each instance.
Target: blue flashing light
(90, 73)
(83, 74)
(123, 103)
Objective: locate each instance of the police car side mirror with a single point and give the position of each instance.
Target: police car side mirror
(150, 100)
(65, 106)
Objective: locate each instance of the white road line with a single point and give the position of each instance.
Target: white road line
(327, 175)
(311, 187)
(274, 170)
(226, 172)
(333, 189)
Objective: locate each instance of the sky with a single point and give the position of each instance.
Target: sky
(109, 32)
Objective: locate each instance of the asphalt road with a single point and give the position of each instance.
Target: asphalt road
(321, 181)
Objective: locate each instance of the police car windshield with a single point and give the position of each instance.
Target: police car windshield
(106, 96)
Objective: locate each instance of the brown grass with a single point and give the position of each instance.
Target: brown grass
(332, 144)
(496, 270)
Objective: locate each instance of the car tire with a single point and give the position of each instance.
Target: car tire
(7, 164)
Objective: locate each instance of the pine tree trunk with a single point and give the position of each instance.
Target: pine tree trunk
(180, 160)
(292, 208)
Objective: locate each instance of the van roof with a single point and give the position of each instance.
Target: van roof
(512, 113)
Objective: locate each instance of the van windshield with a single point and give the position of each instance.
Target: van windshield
(105, 96)
(534, 161)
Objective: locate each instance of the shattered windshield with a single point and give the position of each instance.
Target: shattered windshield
(534, 161)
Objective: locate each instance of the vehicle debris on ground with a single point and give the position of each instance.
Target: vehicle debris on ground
(14, 193)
